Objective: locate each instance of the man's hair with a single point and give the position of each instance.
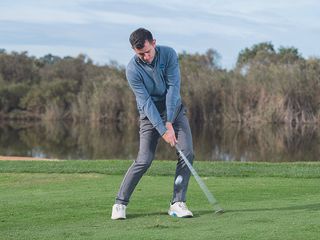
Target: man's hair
(139, 37)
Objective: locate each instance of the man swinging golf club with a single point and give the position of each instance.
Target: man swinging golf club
(154, 77)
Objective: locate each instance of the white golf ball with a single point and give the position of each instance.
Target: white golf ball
(178, 180)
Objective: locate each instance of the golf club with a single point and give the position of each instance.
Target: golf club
(202, 185)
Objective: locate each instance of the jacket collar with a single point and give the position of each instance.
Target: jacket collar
(139, 60)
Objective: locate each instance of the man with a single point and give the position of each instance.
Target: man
(154, 76)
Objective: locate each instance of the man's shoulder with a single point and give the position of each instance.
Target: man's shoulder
(132, 63)
(132, 66)
(166, 49)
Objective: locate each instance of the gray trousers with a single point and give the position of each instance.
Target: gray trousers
(149, 137)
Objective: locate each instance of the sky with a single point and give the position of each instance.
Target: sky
(101, 28)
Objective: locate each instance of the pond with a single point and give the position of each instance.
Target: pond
(63, 140)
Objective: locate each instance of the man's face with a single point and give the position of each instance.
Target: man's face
(148, 51)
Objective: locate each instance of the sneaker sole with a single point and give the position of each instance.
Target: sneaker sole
(174, 214)
(118, 218)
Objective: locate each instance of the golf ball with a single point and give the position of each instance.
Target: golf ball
(178, 180)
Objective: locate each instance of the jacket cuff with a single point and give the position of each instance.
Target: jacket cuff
(170, 118)
(161, 129)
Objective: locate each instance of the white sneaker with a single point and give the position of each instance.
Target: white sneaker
(179, 209)
(118, 211)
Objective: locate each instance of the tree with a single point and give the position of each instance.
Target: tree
(261, 53)
(209, 60)
(49, 59)
(288, 55)
(18, 67)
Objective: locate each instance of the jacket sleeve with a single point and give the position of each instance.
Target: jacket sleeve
(173, 85)
(144, 100)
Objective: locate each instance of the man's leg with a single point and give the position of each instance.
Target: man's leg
(149, 137)
(184, 137)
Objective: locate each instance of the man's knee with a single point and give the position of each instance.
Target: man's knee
(144, 159)
(142, 166)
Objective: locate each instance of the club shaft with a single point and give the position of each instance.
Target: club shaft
(212, 200)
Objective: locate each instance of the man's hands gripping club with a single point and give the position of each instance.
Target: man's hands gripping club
(169, 136)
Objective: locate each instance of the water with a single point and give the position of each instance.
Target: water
(63, 140)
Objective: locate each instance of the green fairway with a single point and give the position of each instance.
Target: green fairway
(47, 203)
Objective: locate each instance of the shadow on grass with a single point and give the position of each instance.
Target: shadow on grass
(309, 207)
(137, 215)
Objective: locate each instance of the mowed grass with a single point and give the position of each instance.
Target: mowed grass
(260, 204)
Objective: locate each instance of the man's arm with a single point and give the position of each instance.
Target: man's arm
(173, 85)
(173, 94)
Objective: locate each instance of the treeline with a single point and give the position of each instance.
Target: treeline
(53, 88)
(266, 85)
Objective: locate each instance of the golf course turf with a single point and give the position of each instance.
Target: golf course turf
(73, 200)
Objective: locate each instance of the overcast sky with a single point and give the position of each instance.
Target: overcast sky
(100, 28)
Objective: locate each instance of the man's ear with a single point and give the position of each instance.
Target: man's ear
(154, 42)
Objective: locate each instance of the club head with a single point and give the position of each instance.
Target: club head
(219, 211)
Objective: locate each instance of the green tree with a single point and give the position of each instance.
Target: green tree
(288, 55)
(261, 53)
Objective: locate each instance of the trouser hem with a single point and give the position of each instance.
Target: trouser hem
(118, 201)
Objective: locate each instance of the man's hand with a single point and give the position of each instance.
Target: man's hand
(169, 136)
